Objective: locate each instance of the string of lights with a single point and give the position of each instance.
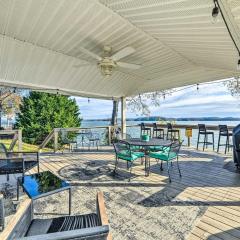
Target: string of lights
(215, 13)
(199, 84)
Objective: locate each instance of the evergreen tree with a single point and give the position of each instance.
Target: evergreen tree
(41, 112)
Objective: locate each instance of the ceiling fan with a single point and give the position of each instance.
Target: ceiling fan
(108, 62)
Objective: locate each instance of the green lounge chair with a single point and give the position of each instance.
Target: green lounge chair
(123, 151)
(168, 154)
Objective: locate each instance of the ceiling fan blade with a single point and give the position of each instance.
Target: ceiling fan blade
(82, 65)
(128, 65)
(91, 54)
(123, 53)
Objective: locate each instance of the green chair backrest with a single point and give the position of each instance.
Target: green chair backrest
(175, 147)
(122, 146)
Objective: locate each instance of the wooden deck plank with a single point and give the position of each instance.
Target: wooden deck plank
(204, 180)
(221, 228)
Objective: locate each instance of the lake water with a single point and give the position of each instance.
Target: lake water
(135, 131)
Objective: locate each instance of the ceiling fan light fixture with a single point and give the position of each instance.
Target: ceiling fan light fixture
(238, 65)
(215, 10)
(106, 70)
(108, 62)
(107, 66)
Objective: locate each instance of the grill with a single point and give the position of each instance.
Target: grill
(236, 145)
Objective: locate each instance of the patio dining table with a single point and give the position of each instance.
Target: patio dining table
(153, 142)
(81, 135)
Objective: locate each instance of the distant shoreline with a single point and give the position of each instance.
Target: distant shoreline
(169, 119)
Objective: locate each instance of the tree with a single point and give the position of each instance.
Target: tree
(41, 112)
(234, 87)
(140, 103)
(10, 100)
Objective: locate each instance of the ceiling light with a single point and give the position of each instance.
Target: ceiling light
(215, 10)
(107, 66)
(238, 65)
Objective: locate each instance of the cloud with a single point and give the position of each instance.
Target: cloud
(212, 100)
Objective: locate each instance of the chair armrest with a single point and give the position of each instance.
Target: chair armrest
(19, 223)
(101, 211)
(99, 233)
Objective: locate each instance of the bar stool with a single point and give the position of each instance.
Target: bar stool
(224, 132)
(159, 132)
(203, 131)
(173, 132)
(145, 129)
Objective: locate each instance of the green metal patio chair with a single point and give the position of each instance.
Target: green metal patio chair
(168, 154)
(123, 151)
(127, 136)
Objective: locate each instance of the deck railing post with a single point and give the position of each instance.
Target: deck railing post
(55, 140)
(109, 135)
(19, 140)
(123, 116)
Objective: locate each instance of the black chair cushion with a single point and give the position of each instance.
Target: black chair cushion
(38, 227)
(74, 222)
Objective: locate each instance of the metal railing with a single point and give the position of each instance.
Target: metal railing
(133, 130)
(14, 136)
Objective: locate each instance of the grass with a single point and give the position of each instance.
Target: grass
(25, 146)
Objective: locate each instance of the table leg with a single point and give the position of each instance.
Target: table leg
(149, 166)
(18, 190)
(70, 200)
(32, 208)
(145, 165)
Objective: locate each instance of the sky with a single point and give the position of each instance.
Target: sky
(210, 100)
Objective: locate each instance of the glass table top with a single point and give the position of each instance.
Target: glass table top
(41, 183)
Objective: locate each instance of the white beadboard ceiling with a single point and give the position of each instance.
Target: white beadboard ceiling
(175, 40)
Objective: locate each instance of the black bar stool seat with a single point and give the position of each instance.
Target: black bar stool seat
(203, 131)
(158, 132)
(224, 132)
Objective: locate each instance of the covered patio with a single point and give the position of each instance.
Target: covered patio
(203, 204)
(115, 49)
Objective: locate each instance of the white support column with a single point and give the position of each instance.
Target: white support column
(123, 116)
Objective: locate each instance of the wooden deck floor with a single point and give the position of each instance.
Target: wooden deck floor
(205, 182)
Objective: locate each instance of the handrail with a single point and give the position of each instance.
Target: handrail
(13, 143)
(46, 140)
(53, 135)
(17, 137)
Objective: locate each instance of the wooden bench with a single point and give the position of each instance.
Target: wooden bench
(22, 225)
